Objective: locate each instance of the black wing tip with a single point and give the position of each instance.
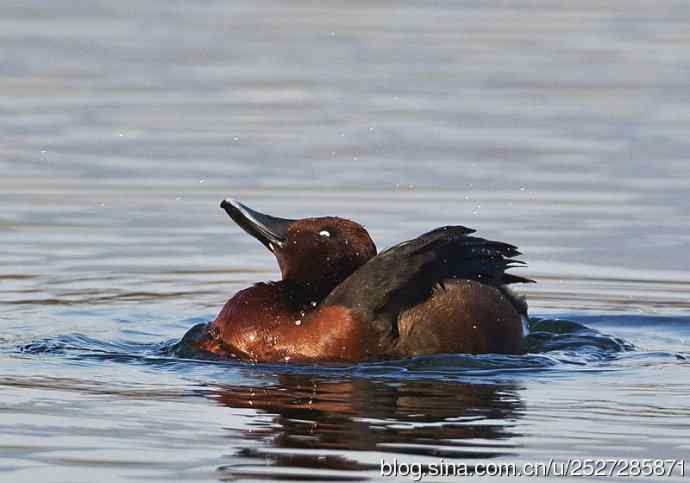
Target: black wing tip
(454, 230)
(509, 278)
(515, 263)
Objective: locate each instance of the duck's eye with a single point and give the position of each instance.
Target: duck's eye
(325, 233)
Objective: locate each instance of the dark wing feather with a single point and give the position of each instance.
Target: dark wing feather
(406, 274)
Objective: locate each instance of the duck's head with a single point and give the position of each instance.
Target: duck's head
(314, 254)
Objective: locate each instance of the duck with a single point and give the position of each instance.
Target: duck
(338, 300)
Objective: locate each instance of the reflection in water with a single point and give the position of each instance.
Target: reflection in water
(232, 420)
(419, 418)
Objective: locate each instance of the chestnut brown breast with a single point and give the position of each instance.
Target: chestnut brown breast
(262, 323)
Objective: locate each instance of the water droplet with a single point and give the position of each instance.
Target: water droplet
(202, 181)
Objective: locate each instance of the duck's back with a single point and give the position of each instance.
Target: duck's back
(443, 292)
(461, 316)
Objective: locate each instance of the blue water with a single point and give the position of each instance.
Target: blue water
(552, 345)
(575, 392)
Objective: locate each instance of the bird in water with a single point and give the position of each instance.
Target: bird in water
(445, 291)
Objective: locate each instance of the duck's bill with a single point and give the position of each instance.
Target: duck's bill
(271, 231)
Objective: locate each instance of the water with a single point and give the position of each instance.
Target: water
(556, 126)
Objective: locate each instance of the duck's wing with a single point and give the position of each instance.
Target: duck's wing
(406, 274)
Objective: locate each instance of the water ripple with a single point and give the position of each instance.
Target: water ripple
(552, 344)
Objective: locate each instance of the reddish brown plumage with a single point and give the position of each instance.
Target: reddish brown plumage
(262, 323)
(317, 263)
(484, 321)
(442, 292)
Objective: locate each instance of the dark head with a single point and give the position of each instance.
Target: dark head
(314, 254)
